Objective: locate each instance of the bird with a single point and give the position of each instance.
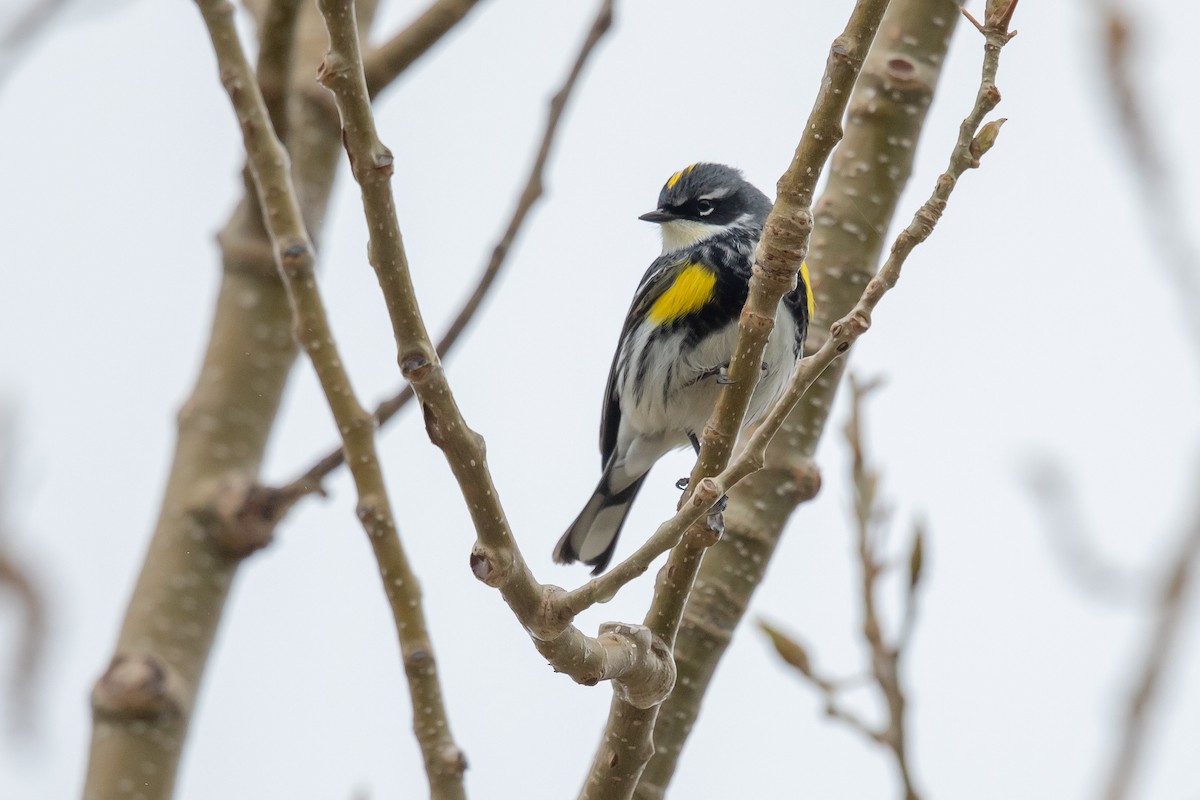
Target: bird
(676, 343)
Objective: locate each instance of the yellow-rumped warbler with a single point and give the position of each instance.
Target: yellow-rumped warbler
(677, 341)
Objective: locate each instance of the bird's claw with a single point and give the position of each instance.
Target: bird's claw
(682, 483)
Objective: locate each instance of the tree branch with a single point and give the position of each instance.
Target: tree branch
(886, 653)
(639, 666)
(142, 705)
(1172, 602)
(294, 256)
(1181, 260)
(626, 745)
(310, 481)
(388, 61)
(885, 119)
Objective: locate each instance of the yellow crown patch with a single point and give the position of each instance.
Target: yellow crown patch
(674, 179)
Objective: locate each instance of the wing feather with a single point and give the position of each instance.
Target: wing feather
(658, 279)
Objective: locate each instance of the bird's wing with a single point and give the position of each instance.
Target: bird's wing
(656, 280)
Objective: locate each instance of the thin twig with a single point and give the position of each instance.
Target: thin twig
(1171, 606)
(16, 577)
(389, 60)
(1181, 259)
(886, 652)
(1161, 207)
(31, 23)
(1070, 540)
(886, 655)
(310, 481)
(294, 253)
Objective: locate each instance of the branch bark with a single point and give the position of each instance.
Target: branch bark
(627, 744)
(639, 666)
(388, 61)
(884, 122)
(295, 259)
(143, 704)
(310, 481)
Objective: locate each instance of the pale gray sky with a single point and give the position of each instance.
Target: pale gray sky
(1034, 321)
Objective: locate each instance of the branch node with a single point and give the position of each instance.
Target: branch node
(488, 567)
(295, 259)
(415, 367)
(242, 515)
(138, 686)
(650, 685)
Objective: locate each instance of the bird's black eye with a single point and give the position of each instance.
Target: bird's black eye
(705, 207)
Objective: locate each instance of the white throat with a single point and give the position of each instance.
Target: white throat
(680, 233)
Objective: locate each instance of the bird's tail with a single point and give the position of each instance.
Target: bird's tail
(592, 537)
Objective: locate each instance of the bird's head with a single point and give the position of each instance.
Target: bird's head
(704, 200)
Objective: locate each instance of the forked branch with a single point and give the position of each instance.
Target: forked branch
(270, 166)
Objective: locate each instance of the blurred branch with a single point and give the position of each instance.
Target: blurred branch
(24, 31)
(270, 166)
(1169, 232)
(1071, 542)
(310, 481)
(887, 653)
(1161, 206)
(27, 653)
(1171, 604)
(213, 514)
(389, 60)
(275, 50)
(17, 578)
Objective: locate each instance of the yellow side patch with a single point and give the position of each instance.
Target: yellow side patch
(690, 291)
(808, 293)
(674, 179)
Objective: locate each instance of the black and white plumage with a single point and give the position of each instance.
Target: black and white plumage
(677, 340)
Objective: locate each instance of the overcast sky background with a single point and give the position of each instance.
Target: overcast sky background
(1035, 321)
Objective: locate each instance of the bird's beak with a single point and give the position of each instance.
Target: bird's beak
(658, 215)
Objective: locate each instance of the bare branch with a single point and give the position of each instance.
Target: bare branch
(142, 705)
(17, 577)
(886, 653)
(909, 62)
(639, 665)
(1160, 198)
(1181, 259)
(294, 254)
(388, 61)
(24, 30)
(310, 481)
(627, 743)
(1070, 539)
(1172, 603)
